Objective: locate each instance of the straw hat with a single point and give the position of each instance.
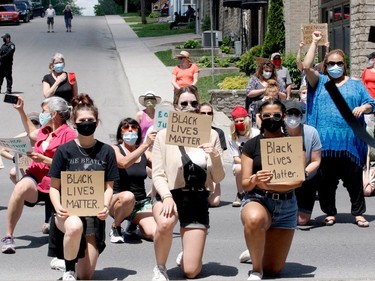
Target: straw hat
(149, 95)
(183, 54)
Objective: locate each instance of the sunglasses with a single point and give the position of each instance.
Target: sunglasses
(332, 63)
(193, 103)
(206, 113)
(127, 126)
(275, 116)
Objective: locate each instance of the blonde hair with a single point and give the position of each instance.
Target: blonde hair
(235, 135)
(272, 87)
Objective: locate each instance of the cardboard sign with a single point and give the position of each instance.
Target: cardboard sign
(308, 29)
(161, 116)
(188, 129)
(22, 163)
(284, 157)
(20, 144)
(259, 61)
(82, 193)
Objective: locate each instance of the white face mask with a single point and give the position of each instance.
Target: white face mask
(267, 74)
(292, 121)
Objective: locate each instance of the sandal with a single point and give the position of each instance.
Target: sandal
(361, 222)
(329, 221)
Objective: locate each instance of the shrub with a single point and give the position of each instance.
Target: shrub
(289, 61)
(234, 83)
(224, 62)
(154, 15)
(191, 44)
(204, 61)
(225, 49)
(247, 61)
(206, 23)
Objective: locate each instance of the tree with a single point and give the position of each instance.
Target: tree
(143, 12)
(275, 36)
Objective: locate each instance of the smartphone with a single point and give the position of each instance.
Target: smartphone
(10, 99)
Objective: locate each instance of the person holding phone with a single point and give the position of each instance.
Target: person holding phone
(35, 185)
(80, 240)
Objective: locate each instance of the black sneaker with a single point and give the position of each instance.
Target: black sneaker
(131, 229)
(116, 235)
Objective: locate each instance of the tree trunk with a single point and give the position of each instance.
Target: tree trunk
(143, 12)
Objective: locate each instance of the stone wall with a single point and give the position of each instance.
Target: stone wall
(225, 100)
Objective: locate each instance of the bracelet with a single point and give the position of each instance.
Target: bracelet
(167, 196)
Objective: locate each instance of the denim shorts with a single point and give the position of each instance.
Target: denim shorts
(283, 212)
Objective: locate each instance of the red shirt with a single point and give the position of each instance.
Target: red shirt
(368, 78)
(40, 170)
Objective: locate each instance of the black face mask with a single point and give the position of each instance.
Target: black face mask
(271, 125)
(86, 128)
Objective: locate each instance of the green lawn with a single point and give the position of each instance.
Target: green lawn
(166, 58)
(157, 29)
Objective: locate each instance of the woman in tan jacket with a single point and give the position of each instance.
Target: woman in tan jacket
(180, 198)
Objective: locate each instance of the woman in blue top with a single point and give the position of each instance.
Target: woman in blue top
(343, 153)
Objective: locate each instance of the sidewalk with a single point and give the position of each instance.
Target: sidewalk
(145, 71)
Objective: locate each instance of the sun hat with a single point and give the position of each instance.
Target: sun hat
(183, 54)
(238, 112)
(149, 95)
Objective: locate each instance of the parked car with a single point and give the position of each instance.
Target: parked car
(38, 9)
(24, 12)
(29, 6)
(9, 13)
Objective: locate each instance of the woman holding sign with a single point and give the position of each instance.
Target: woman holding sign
(182, 176)
(269, 210)
(80, 239)
(343, 152)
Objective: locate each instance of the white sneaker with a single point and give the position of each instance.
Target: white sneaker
(160, 273)
(69, 275)
(57, 264)
(179, 259)
(116, 235)
(245, 257)
(255, 276)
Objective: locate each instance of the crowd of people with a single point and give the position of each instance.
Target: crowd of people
(185, 179)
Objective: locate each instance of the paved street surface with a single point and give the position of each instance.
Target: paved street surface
(100, 51)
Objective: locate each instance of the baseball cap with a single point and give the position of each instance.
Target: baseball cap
(6, 35)
(275, 55)
(238, 112)
(292, 104)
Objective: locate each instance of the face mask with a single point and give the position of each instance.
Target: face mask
(86, 128)
(303, 97)
(292, 121)
(267, 74)
(4, 40)
(44, 118)
(130, 138)
(335, 71)
(150, 103)
(58, 67)
(181, 61)
(370, 63)
(271, 125)
(277, 63)
(240, 127)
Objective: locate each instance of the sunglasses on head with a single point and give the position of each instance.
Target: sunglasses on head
(206, 113)
(332, 63)
(127, 126)
(193, 103)
(275, 116)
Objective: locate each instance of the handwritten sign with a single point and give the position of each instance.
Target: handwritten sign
(22, 163)
(308, 29)
(284, 157)
(20, 144)
(82, 193)
(161, 116)
(188, 129)
(259, 61)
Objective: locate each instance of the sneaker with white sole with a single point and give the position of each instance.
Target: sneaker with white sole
(116, 235)
(69, 275)
(8, 246)
(57, 264)
(160, 273)
(179, 259)
(255, 276)
(131, 228)
(245, 257)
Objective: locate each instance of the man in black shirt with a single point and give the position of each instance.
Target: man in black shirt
(6, 62)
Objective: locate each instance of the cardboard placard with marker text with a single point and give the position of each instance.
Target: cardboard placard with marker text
(308, 29)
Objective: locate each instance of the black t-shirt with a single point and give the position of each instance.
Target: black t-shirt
(68, 157)
(252, 149)
(64, 90)
(133, 178)
(223, 141)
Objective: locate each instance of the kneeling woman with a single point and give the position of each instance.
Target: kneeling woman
(268, 223)
(81, 239)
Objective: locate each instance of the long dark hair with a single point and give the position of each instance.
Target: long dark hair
(273, 101)
(128, 121)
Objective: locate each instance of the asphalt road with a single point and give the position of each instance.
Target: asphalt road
(340, 252)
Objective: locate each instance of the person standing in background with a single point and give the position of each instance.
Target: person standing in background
(185, 73)
(50, 14)
(68, 16)
(6, 62)
(283, 73)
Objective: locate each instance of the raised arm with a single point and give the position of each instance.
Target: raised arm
(312, 75)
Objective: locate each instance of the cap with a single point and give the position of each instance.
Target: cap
(6, 35)
(183, 54)
(274, 55)
(238, 112)
(371, 56)
(149, 95)
(292, 104)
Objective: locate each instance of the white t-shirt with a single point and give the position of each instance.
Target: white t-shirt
(50, 13)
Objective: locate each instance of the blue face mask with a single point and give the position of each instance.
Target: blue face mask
(335, 71)
(44, 118)
(130, 138)
(370, 63)
(58, 67)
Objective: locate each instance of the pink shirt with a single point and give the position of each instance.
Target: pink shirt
(40, 170)
(145, 124)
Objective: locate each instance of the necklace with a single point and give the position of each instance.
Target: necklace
(84, 151)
